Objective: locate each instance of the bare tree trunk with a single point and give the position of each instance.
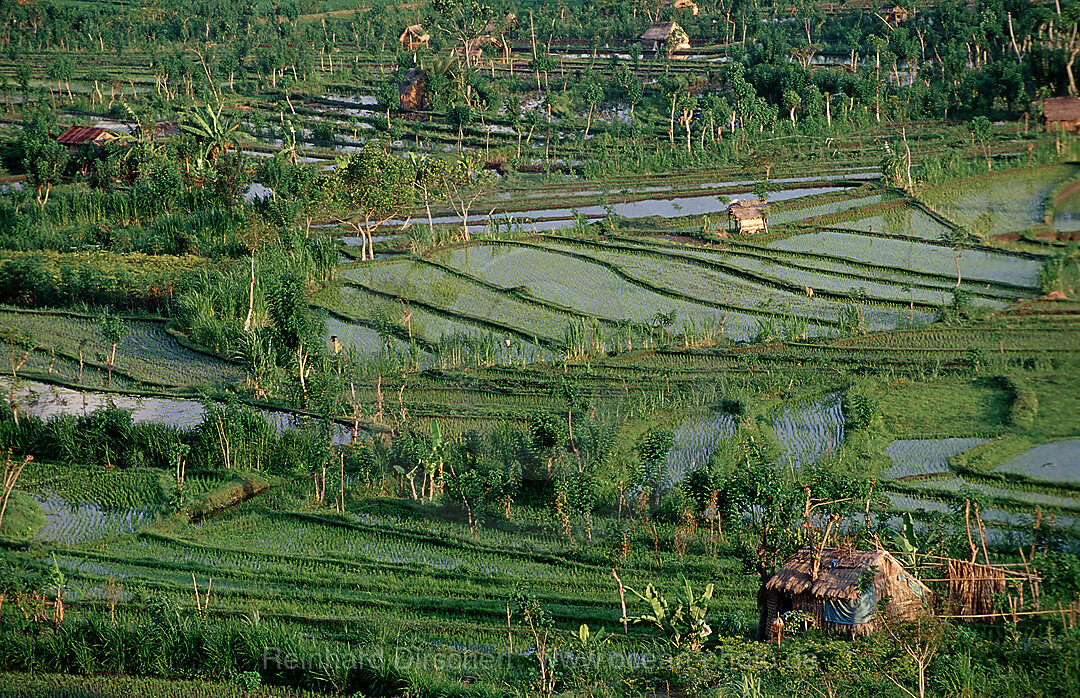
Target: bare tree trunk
(251, 294)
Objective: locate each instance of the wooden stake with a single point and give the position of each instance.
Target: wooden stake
(622, 600)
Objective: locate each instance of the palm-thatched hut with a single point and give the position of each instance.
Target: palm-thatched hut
(412, 90)
(414, 36)
(500, 24)
(1062, 113)
(895, 14)
(664, 36)
(749, 216)
(681, 5)
(841, 590)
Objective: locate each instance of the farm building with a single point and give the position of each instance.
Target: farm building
(841, 591)
(662, 36)
(681, 5)
(79, 135)
(411, 91)
(749, 216)
(477, 45)
(1062, 113)
(895, 14)
(414, 36)
(508, 21)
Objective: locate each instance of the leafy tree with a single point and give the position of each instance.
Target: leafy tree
(464, 20)
(372, 187)
(461, 182)
(388, 98)
(652, 454)
(296, 326)
(459, 115)
(114, 330)
(42, 157)
(982, 130)
(959, 239)
(592, 94)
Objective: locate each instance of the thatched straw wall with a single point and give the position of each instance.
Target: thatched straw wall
(842, 575)
(972, 588)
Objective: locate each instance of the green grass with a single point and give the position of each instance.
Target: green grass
(23, 518)
(47, 685)
(147, 354)
(947, 407)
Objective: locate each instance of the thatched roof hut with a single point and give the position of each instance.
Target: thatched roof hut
(841, 591)
(665, 35)
(895, 14)
(505, 23)
(412, 89)
(414, 36)
(681, 5)
(1062, 112)
(749, 216)
(474, 49)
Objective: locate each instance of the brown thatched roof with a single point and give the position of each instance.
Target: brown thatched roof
(839, 575)
(1062, 109)
(509, 22)
(744, 209)
(659, 31)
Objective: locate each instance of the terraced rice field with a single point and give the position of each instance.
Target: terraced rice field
(1057, 461)
(809, 432)
(147, 353)
(913, 458)
(899, 221)
(70, 524)
(696, 438)
(998, 204)
(45, 400)
(1026, 497)
(976, 265)
(794, 213)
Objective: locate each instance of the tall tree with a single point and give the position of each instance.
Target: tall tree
(371, 188)
(42, 157)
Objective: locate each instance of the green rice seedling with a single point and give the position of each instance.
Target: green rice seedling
(920, 457)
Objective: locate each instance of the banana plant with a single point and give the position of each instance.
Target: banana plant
(215, 133)
(682, 622)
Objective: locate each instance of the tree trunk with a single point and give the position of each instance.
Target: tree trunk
(251, 294)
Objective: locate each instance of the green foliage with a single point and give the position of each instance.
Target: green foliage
(43, 159)
(680, 621)
(859, 410)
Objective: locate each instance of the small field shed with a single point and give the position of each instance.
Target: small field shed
(662, 36)
(843, 595)
(414, 36)
(79, 135)
(1062, 113)
(749, 216)
(412, 89)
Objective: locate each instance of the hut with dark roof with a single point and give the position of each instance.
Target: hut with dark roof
(840, 589)
(1062, 113)
(80, 135)
(412, 89)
